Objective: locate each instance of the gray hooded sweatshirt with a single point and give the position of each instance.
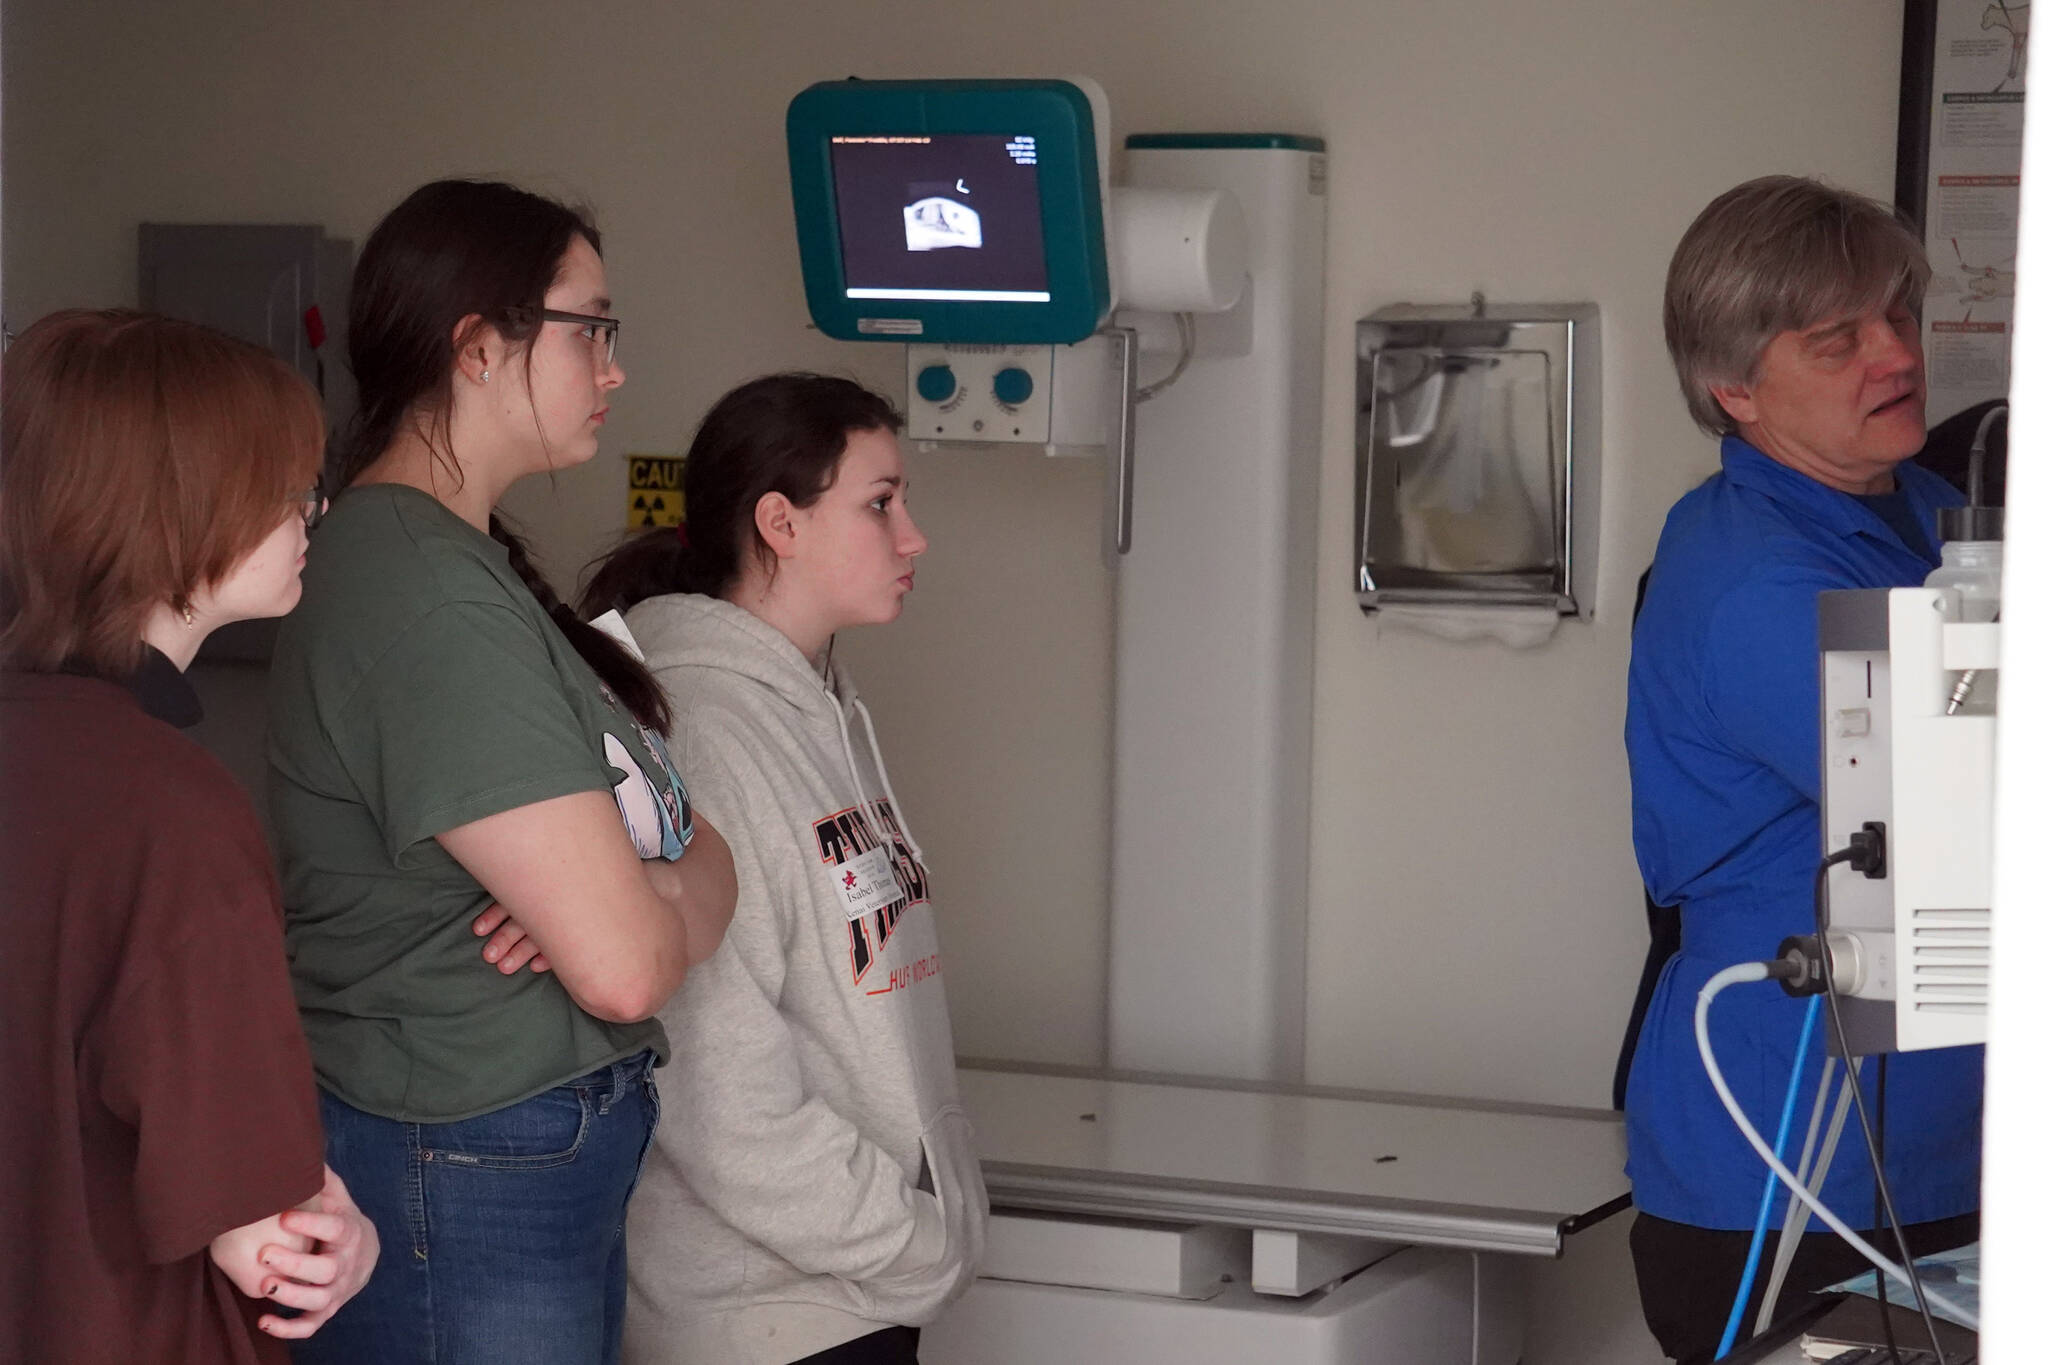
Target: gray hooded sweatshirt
(813, 1177)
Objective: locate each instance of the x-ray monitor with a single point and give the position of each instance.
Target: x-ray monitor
(962, 211)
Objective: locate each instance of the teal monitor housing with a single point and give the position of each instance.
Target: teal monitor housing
(966, 211)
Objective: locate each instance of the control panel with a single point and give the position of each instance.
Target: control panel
(981, 393)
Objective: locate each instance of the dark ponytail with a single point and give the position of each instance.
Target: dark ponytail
(782, 433)
(453, 249)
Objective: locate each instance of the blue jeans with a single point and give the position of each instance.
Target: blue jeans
(503, 1236)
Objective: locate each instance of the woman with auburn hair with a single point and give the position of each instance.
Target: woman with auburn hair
(449, 746)
(161, 1147)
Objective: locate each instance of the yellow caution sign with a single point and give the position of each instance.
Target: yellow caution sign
(654, 491)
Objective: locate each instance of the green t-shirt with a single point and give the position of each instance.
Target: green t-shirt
(419, 686)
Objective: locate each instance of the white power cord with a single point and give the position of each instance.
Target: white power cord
(1757, 971)
(1184, 324)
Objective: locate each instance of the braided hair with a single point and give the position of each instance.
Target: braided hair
(455, 249)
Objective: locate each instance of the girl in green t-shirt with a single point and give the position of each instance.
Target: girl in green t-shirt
(450, 747)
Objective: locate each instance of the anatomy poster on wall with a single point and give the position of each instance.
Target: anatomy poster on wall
(1976, 70)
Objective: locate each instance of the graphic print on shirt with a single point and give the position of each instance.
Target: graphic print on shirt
(657, 814)
(844, 837)
(657, 820)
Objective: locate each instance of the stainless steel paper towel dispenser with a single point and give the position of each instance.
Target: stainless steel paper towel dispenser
(1478, 456)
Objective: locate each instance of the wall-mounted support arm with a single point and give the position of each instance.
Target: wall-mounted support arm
(1117, 540)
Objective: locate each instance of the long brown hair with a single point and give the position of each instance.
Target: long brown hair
(781, 433)
(140, 458)
(455, 249)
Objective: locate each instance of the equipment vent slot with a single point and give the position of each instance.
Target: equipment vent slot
(1950, 968)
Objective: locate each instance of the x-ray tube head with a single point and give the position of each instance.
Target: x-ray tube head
(1178, 250)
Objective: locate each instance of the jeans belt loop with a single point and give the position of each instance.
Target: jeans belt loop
(623, 1072)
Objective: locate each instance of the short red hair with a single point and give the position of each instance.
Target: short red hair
(140, 458)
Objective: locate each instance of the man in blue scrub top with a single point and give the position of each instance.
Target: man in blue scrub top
(1791, 311)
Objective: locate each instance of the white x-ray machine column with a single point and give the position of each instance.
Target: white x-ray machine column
(1214, 648)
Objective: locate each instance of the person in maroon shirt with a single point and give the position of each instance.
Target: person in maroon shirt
(160, 1147)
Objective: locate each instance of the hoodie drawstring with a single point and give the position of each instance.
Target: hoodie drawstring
(860, 790)
(881, 768)
(867, 807)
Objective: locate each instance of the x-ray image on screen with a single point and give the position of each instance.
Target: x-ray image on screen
(935, 219)
(949, 216)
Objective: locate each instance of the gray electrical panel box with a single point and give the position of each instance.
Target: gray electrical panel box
(261, 282)
(257, 281)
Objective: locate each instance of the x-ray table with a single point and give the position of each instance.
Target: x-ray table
(1340, 1193)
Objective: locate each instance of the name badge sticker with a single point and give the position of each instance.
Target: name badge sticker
(867, 883)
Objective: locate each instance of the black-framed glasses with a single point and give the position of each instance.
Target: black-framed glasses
(313, 505)
(592, 326)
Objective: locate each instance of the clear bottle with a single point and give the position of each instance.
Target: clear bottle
(1974, 568)
(1973, 564)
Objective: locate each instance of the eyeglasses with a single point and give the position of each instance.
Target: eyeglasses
(313, 505)
(592, 327)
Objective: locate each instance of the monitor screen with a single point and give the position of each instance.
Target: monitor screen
(949, 216)
(962, 211)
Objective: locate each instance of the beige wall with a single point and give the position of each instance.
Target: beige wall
(1475, 922)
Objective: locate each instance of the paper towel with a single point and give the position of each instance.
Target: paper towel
(1515, 626)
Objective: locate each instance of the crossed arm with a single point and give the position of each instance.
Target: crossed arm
(624, 932)
(573, 898)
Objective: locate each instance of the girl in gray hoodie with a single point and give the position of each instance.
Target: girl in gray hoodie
(812, 1193)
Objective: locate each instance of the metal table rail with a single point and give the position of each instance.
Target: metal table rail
(1514, 1178)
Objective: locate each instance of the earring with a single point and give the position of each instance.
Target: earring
(486, 376)
(186, 612)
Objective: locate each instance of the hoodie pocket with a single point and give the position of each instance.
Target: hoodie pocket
(935, 1270)
(956, 1182)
